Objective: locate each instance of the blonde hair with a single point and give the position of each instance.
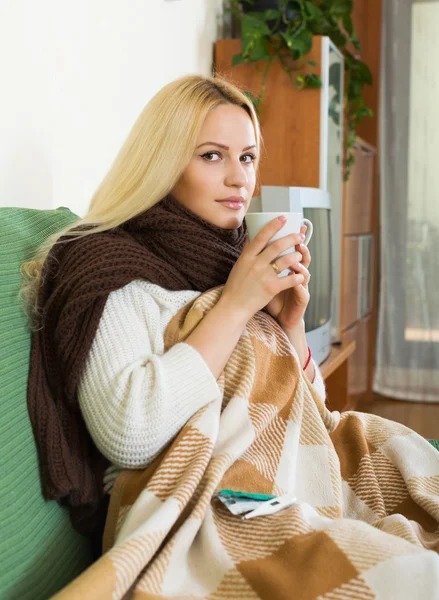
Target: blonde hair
(152, 159)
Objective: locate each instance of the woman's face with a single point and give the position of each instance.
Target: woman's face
(222, 166)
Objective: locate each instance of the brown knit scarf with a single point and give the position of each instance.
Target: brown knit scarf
(168, 245)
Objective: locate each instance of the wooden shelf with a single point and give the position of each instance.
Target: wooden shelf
(337, 356)
(335, 372)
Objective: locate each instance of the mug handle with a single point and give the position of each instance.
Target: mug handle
(308, 233)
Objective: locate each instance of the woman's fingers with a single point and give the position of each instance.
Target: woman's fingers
(291, 280)
(276, 248)
(259, 243)
(300, 269)
(287, 260)
(306, 256)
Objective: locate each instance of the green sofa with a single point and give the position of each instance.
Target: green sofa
(40, 552)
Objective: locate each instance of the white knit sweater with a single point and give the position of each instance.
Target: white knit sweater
(134, 396)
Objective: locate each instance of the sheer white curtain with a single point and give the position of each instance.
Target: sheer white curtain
(407, 357)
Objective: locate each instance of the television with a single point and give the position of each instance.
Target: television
(315, 205)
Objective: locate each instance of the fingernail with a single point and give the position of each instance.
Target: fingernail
(282, 219)
(302, 237)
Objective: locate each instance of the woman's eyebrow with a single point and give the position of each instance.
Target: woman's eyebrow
(223, 146)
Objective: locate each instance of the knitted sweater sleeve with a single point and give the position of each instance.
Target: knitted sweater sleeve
(135, 397)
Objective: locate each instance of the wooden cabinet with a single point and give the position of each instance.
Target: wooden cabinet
(357, 310)
(365, 274)
(335, 373)
(349, 285)
(358, 367)
(357, 278)
(358, 191)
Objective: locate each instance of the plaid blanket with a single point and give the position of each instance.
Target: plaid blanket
(365, 524)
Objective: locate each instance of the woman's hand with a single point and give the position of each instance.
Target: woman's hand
(252, 282)
(288, 307)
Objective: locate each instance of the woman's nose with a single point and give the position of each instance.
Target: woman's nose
(236, 175)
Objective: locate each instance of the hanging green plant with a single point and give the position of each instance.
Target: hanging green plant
(285, 33)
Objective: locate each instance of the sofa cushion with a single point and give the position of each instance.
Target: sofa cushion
(40, 552)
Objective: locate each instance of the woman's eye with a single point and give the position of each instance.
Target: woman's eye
(252, 158)
(209, 154)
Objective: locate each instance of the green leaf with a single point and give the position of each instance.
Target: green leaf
(312, 63)
(349, 59)
(271, 14)
(359, 103)
(238, 59)
(301, 43)
(313, 81)
(300, 81)
(292, 7)
(325, 26)
(254, 34)
(296, 30)
(259, 51)
(341, 7)
(351, 138)
(356, 41)
(288, 39)
(355, 88)
(338, 38)
(362, 71)
(313, 11)
(254, 25)
(364, 112)
(347, 24)
(255, 48)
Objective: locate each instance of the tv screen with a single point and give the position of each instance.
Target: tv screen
(318, 311)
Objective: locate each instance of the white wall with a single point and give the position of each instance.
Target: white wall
(74, 78)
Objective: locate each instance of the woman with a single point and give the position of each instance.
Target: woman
(166, 347)
(195, 144)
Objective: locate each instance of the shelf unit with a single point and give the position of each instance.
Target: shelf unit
(359, 270)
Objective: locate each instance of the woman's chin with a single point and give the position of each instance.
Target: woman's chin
(226, 221)
(232, 220)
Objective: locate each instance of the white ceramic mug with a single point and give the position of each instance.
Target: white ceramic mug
(256, 221)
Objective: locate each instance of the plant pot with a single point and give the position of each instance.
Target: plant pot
(259, 5)
(262, 5)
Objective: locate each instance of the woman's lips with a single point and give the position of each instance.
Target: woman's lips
(233, 205)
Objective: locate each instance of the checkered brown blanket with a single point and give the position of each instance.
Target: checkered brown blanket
(365, 524)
